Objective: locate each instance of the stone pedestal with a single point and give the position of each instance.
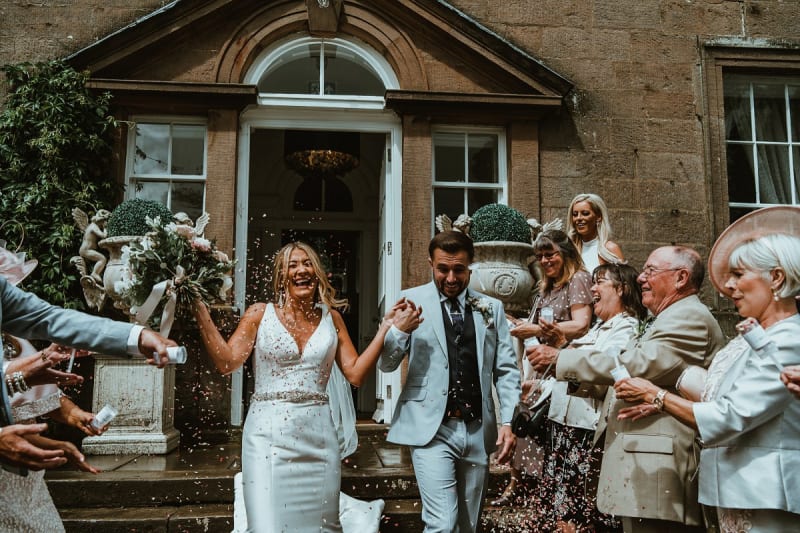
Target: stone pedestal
(144, 395)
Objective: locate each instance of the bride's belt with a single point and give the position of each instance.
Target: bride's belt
(295, 396)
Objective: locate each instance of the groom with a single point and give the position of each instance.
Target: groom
(446, 413)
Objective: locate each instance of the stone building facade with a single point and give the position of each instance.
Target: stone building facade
(659, 106)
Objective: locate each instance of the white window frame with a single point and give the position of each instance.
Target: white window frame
(283, 48)
(502, 165)
(131, 179)
(754, 143)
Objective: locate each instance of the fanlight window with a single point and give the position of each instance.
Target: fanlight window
(321, 68)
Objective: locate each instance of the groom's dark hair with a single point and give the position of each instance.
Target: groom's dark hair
(452, 242)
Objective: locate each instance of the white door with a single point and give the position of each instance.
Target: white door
(389, 267)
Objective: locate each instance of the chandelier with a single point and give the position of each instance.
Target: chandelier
(321, 163)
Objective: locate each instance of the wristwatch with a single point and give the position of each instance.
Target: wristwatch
(658, 401)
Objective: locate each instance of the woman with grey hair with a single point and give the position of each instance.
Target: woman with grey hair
(590, 231)
(747, 421)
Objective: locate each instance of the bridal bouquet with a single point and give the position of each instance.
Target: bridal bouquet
(169, 268)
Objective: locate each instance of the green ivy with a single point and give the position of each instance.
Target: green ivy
(55, 155)
(130, 217)
(498, 222)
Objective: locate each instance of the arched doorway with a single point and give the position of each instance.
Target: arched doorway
(327, 93)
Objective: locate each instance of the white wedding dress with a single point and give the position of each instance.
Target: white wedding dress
(291, 458)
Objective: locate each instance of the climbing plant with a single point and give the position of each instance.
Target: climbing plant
(55, 154)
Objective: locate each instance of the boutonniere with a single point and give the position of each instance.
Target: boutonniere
(644, 325)
(485, 307)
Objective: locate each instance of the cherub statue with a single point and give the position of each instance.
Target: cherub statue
(93, 232)
(462, 223)
(537, 228)
(188, 228)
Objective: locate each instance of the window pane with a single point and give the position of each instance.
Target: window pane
(479, 197)
(741, 180)
(483, 158)
(796, 154)
(152, 146)
(296, 72)
(448, 156)
(770, 112)
(152, 190)
(737, 110)
(794, 109)
(347, 73)
(448, 202)
(773, 174)
(188, 146)
(187, 197)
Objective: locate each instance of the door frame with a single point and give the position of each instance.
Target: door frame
(357, 120)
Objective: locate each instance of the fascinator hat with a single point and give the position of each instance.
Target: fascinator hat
(13, 265)
(769, 220)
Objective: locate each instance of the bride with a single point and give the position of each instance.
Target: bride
(291, 459)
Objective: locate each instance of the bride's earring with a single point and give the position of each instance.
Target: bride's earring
(281, 299)
(775, 294)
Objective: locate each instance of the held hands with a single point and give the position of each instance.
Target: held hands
(790, 376)
(541, 356)
(404, 315)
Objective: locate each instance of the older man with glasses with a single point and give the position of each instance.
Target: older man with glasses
(647, 475)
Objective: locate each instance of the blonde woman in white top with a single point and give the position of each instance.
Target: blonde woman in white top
(590, 229)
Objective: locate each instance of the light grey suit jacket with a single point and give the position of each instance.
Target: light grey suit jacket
(422, 403)
(751, 432)
(25, 315)
(648, 464)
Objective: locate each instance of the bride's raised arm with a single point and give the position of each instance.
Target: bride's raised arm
(231, 355)
(355, 367)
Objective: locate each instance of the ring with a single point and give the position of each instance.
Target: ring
(44, 356)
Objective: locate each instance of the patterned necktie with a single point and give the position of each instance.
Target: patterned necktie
(456, 317)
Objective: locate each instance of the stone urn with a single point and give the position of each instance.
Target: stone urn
(500, 269)
(116, 270)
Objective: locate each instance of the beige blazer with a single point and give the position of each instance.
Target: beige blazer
(648, 465)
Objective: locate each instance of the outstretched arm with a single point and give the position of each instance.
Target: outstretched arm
(229, 356)
(16, 450)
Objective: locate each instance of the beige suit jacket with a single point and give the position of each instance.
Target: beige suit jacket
(648, 465)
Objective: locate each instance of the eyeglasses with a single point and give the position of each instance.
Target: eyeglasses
(548, 256)
(650, 271)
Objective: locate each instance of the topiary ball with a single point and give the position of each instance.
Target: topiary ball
(498, 222)
(129, 217)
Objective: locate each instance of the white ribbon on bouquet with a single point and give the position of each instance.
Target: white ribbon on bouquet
(146, 310)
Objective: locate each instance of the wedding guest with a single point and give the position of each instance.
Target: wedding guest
(746, 419)
(26, 502)
(590, 231)
(26, 316)
(646, 476)
(564, 498)
(565, 288)
(296, 341)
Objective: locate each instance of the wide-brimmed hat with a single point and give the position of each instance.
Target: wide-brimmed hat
(776, 219)
(13, 265)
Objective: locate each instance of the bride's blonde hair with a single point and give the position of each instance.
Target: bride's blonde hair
(326, 294)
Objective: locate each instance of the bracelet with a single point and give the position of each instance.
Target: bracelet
(658, 401)
(19, 382)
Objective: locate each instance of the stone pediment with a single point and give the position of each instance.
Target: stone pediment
(433, 47)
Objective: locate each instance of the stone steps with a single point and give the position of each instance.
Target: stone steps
(191, 490)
